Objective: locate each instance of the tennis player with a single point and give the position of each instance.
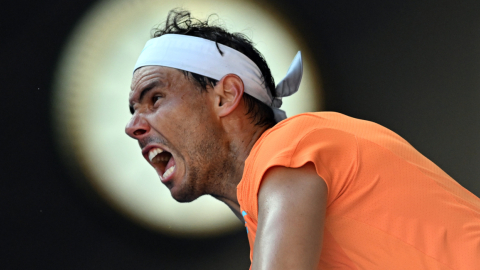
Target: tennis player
(319, 190)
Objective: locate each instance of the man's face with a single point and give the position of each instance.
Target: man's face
(177, 130)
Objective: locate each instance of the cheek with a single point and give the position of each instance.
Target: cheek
(183, 121)
(168, 113)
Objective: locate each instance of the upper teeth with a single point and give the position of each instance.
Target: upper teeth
(153, 153)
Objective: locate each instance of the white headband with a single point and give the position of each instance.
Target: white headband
(202, 57)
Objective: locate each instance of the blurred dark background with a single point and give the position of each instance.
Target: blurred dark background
(412, 66)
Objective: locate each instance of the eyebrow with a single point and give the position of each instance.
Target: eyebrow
(145, 90)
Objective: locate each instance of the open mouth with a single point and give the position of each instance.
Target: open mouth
(163, 161)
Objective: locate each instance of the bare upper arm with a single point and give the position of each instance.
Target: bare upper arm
(291, 215)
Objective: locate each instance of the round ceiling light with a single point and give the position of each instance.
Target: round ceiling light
(91, 104)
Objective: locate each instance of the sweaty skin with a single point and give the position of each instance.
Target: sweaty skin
(206, 132)
(161, 99)
(206, 137)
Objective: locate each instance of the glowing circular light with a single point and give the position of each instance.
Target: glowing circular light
(91, 101)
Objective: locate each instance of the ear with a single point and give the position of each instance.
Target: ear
(228, 93)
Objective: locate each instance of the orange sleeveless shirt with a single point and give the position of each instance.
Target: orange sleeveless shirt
(388, 206)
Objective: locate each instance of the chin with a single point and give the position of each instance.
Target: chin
(183, 195)
(183, 198)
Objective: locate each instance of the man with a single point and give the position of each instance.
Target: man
(316, 191)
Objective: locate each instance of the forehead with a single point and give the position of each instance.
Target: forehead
(147, 74)
(154, 76)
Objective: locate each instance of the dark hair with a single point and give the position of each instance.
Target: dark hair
(180, 22)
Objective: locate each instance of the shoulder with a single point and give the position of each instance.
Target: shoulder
(307, 121)
(313, 137)
(332, 128)
(300, 124)
(295, 128)
(305, 132)
(322, 138)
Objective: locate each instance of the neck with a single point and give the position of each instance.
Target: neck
(242, 140)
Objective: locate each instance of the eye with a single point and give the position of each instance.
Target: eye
(156, 98)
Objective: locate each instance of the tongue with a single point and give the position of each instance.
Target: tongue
(171, 162)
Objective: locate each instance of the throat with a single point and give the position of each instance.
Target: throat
(233, 205)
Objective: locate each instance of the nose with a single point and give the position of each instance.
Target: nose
(137, 126)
